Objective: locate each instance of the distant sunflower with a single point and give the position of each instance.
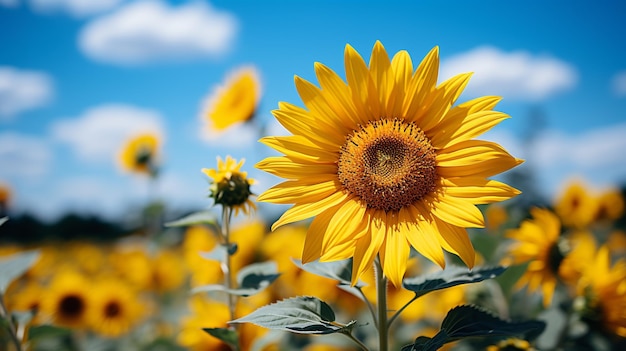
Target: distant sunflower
(140, 154)
(230, 186)
(576, 206)
(610, 205)
(538, 241)
(235, 101)
(385, 162)
(5, 197)
(116, 308)
(68, 299)
(512, 344)
(603, 291)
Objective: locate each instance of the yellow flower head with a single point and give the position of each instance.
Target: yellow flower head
(230, 186)
(235, 101)
(68, 299)
(116, 308)
(538, 242)
(140, 154)
(602, 289)
(610, 205)
(385, 162)
(512, 344)
(576, 206)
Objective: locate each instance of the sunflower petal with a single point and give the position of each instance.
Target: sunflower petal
(402, 67)
(299, 212)
(478, 190)
(458, 242)
(300, 148)
(456, 211)
(312, 249)
(299, 122)
(380, 68)
(468, 128)
(474, 158)
(394, 254)
(368, 246)
(337, 93)
(422, 84)
(295, 191)
(422, 235)
(290, 168)
(361, 83)
(345, 225)
(440, 102)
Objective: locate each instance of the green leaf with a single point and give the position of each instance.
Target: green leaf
(451, 276)
(201, 217)
(228, 336)
(47, 331)
(15, 265)
(251, 279)
(471, 321)
(337, 270)
(302, 315)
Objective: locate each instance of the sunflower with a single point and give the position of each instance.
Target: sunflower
(610, 205)
(235, 101)
(68, 299)
(386, 162)
(139, 154)
(5, 197)
(576, 206)
(552, 258)
(512, 344)
(116, 308)
(602, 291)
(230, 186)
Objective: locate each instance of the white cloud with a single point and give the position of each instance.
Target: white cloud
(594, 155)
(100, 132)
(515, 75)
(22, 90)
(77, 8)
(151, 30)
(619, 84)
(23, 156)
(239, 136)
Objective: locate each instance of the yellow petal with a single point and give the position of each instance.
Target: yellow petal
(299, 212)
(422, 84)
(347, 224)
(337, 93)
(440, 102)
(456, 211)
(458, 242)
(403, 69)
(361, 84)
(380, 68)
(368, 246)
(299, 191)
(289, 168)
(299, 121)
(301, 148)
(468, 128)
(474, 158)
(394, 253)
(422, 235)
(478, 190)
(312, 249)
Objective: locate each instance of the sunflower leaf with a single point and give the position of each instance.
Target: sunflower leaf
(201, 217)
(15, 265)
(471, 321)
(228, 336)
(451, 276)
(301, 315)
(252, 279)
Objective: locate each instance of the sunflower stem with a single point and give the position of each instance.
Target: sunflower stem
(4, 313)
(369, 306)
(381, 296)
(357, 341)
(228, 274)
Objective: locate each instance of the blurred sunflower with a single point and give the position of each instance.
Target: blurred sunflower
(5, 197)
(602, 291)
(512, 344)
(610, 205)
(235, 101)
(26, 298)
(68, 299)
(140, 154)
(550, 255)
(229, 186)
(575, 206)
(168, 271)
(385, 162)
(495, 216)
(116, 308)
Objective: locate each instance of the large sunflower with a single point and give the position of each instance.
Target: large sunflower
(386, 162)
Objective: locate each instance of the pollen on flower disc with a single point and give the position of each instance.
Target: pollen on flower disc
(388, 163)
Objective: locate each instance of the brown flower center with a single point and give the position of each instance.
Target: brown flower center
(112, 309)
(388, 164)
(71, 306)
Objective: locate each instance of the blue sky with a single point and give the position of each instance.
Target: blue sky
(79, 76)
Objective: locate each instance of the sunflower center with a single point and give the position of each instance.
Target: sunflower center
(112, 309)
(389, 164)
(71, 306)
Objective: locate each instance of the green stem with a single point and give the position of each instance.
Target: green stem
(357, 341)
(369, 306)
(381, 295)
(4, 313)
(228, 275)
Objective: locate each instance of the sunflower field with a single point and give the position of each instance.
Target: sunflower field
(403, 230)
